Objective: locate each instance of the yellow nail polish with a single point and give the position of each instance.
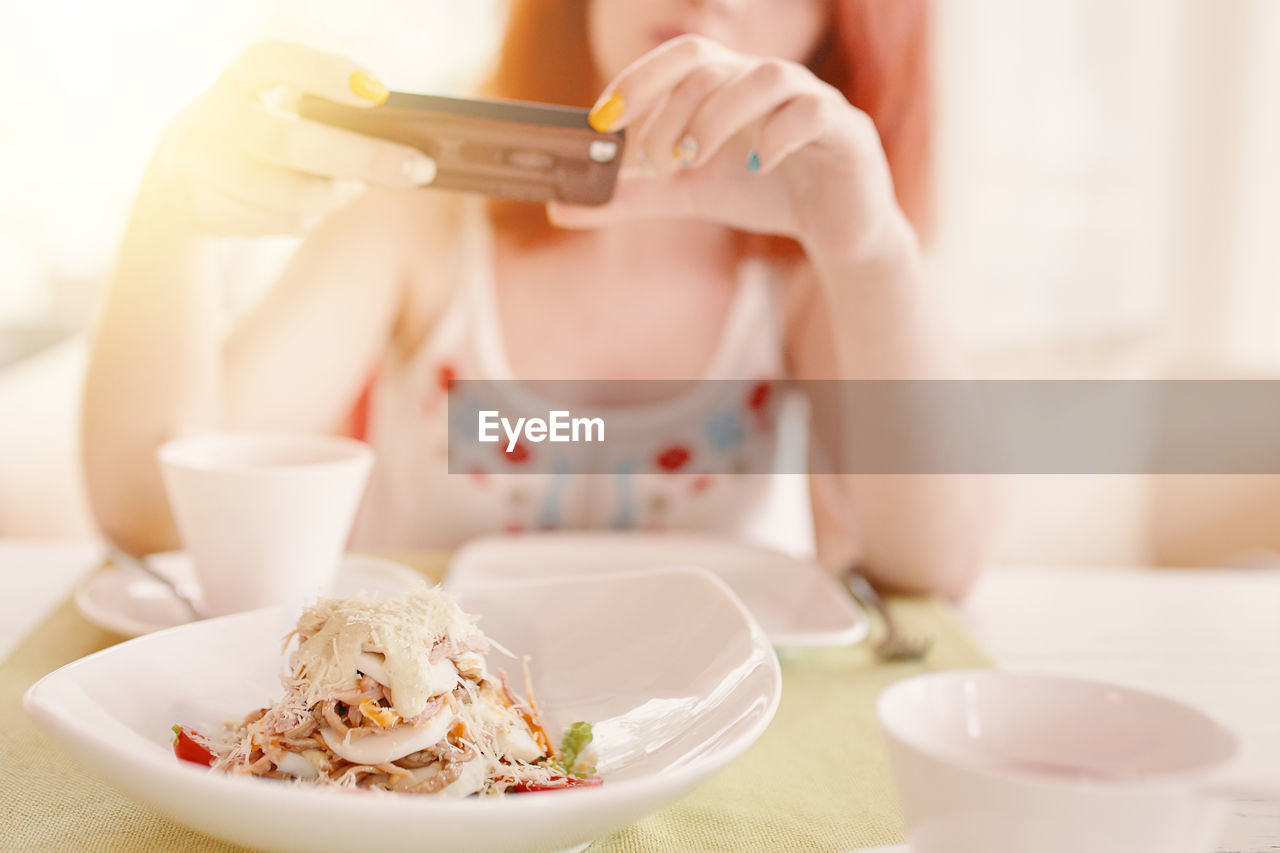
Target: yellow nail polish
(606, 114)
(367, 86)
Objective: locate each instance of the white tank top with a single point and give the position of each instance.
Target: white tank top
(413, 502)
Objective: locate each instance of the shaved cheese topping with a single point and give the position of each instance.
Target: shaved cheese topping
(512, 735)
(341, 634)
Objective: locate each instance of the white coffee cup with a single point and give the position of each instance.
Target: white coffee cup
(998, 762)
(265, 517)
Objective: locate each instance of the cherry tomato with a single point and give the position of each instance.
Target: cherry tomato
(188, 745)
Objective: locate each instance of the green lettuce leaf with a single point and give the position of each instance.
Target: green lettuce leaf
(577, 737)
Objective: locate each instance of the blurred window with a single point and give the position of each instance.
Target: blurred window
(89, 87)
(1107, 168)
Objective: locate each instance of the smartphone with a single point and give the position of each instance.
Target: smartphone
(513, 149)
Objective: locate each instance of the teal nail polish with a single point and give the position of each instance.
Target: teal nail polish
(753, 162)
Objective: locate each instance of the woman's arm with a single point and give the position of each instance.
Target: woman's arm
(153, 364)
(762, 145)
(234, 164)
(162, 363)
(866, 314)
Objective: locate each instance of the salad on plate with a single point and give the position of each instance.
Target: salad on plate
(397, 695)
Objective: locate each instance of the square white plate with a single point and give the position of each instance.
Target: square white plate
(796, 602)
(672, 670)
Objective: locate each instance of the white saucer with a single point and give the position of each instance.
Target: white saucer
(127, 601)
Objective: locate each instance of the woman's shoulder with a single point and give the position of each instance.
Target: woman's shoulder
(421, 229)
(409, 218)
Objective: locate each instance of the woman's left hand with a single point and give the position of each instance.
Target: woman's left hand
(758, 144)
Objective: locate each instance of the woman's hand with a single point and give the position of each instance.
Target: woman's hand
(754, 143)
(239, 160)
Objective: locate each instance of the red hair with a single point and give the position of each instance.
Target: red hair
(876, 52)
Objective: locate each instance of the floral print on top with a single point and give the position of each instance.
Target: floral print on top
(667, 464)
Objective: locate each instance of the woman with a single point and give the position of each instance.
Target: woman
(756, 233)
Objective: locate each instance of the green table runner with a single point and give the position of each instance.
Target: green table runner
(818, 779)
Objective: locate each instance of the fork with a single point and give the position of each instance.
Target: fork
(894, 645)
(123, 558)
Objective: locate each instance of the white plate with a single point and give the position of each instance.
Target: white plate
(673, 698)
(795, 601)
(132, 603)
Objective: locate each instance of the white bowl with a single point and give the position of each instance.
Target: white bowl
(674, 673)
(997, 762)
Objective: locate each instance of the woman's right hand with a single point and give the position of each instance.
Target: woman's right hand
(240, 161)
